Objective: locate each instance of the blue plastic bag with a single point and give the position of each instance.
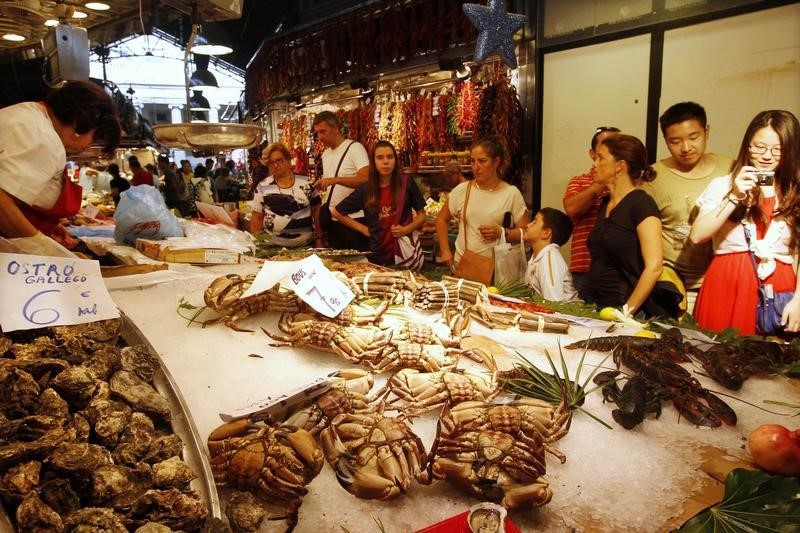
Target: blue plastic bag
(142, 214)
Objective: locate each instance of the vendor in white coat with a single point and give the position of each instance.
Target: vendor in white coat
(35, 139)
(547, 272)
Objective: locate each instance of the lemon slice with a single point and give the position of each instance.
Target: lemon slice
(645, 333)
(608, 313)
(493, 290)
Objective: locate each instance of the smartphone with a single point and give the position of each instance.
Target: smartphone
(508, 221)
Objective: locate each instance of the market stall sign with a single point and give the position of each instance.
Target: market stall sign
(41, 291)
(309, 279)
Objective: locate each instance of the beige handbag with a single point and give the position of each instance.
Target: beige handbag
(473, 266)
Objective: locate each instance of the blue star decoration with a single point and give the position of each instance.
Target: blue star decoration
(497, 28)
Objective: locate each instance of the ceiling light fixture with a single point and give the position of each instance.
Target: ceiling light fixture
(211, 40)
(13, 37)
(198, 102)
(79, 15)
(51, 22)
(97, 6)
(202, 79)
(463, 73)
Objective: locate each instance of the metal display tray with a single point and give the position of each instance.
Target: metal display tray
(182, 425)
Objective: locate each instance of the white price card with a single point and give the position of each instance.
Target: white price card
(40, 291)
(309, 279)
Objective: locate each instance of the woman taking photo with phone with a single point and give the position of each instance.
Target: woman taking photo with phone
(751, 216)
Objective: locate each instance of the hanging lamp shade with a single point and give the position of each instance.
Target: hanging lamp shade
(198, 102)
(201, 80)
(212, 40)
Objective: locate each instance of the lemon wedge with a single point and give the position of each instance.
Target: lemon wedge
(493, 290)
(645, 333)
(608, 313)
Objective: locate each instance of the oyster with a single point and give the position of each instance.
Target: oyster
(103, 361)
(163, 448)
(16, 452)
(135, 441)
(19, 480)
(152, 527)
(34, 515)
(244, 512)
(5, 344)
(51, 403)
(108, 418)
(18, 392)
(80, 458)
(100, 331)
(140, 361)
(58, 494)
(172, 473)
(28, 428)
(76, 384)
(94, 520)
(36, 367)
(171, 507)
(119, 486)
(39, 347)
(139, 394)
(215, 525)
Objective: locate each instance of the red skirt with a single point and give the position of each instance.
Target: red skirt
(729, 295)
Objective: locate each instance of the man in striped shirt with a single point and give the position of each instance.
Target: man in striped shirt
(582, 203)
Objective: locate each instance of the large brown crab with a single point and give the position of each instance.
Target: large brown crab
(418, 392)
(224, 296)
(277, 461)
(374, 456)
(497, 451)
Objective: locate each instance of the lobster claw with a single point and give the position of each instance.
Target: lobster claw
(704, 409)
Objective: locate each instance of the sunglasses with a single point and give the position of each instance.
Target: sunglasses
(601, 129)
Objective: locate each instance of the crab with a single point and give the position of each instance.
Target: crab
(427, 357)
(349, 342)
(348, 394)
(276, 461)
(423, 391)
(497, 451)
(374, 456)
(224, 296)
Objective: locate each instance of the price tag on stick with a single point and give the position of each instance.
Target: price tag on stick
(40, 291)
(316, 286)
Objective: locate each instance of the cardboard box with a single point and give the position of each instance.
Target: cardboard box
(179, 251)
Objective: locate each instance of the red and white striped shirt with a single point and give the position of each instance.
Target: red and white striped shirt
(580, 259)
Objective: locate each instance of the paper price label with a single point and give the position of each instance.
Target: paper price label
(41, 291)
(316, 286)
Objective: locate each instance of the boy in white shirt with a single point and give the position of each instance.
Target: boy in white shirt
(547, 273)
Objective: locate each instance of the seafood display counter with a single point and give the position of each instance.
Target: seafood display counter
(651, 478)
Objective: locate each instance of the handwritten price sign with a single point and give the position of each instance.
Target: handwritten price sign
(316, 286)
(43, 291)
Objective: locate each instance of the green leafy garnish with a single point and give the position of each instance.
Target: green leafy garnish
(753, 501)
(528, 380)
(184, 304)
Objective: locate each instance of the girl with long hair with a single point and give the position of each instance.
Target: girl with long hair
(752, 220)
(387, 200)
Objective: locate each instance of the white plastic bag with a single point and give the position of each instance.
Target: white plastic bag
(509, 261)
(142, 214)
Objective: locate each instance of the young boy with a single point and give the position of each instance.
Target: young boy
(547, 273)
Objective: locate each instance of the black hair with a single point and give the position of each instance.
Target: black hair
(681, 113)
(558, 223)
(328, 117)
(113, 169)
(86, 107)
(599, 130)
(494, 146)
(374, 180)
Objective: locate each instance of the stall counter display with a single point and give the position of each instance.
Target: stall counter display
(652, 478)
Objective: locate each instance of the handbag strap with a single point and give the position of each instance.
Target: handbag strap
(464, 214)
(751, 254)
(335, 174)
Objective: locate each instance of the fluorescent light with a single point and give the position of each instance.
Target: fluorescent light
(13, 37)
(79, 15)
(51, 22)
(97, 6)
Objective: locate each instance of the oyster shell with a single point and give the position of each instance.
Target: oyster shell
(139, 394)
(94, 520)
(28, 428)
(18, 392)
(215, 525)
(34, 515)
(5, 344)
(163, 448)
(140, 361)
(100, 331)
(78, 458)
(108, 418)
(172, 473)
(103, 361)
(136, 440)
(244, 512)
(51, 403)
(119, 486)
(16, 452)
(58, 494)
(76, 384)
(171, 507)
(39, 347)
(19, 480)
(152, 527)
(37, 367)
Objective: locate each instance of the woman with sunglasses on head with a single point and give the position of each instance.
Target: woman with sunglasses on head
(393, 205)
(35, 140)
(285, 205)
(751, 217)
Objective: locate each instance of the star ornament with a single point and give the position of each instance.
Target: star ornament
(497, 28)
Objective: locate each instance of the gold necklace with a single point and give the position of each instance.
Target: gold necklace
(488, 189)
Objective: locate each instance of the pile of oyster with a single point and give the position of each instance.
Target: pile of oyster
(85, 439)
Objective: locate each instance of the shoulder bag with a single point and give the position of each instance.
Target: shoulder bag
(769, 310)
(325, 216)
(407, 249)
(473, 266)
